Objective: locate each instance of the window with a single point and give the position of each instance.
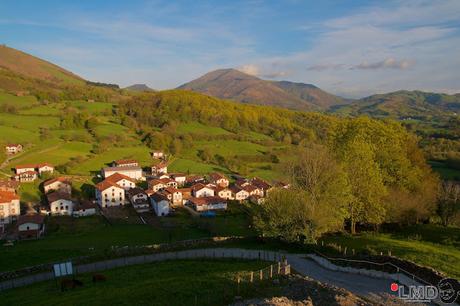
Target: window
(28, 228)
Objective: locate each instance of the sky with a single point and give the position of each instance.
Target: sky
(350, 48)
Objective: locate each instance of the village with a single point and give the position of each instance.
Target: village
(152, 191)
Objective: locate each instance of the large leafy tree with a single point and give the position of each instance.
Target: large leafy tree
(315, 204)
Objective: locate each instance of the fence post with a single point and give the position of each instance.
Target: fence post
(238, 282)
(261, 275)
(279, 267)
(271, 271)
(251, 278)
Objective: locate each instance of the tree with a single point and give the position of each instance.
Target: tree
(366, 184)
(448, 202)
(315, 204)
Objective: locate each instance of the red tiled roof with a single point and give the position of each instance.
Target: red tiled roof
(116, 177)
(25, 166)
(28, 173)
(52, 197)
(58, 179)
(104, 185)
(85, 204)
(216, 176)
(7, 196)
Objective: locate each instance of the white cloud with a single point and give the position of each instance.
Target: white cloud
(250, 69)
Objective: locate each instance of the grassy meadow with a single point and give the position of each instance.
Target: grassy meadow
(179, 282)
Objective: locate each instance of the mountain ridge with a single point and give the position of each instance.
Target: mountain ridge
(236, 85)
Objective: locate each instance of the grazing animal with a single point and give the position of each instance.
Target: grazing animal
(70, 284)
(99, 278)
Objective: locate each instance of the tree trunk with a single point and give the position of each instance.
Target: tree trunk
(352, 226)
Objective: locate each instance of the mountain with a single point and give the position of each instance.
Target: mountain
(404, 104)
(236, 85)
(139, 87)
(26, 65)
(312, 94)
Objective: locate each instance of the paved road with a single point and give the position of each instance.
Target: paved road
(359, 284)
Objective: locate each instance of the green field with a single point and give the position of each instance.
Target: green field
(181, 282)
(427, 245)
(69, 237)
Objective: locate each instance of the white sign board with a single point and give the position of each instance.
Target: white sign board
(63, 269)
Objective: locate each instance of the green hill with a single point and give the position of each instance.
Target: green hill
(30, 66)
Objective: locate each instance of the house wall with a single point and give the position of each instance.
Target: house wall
(58, 186)
(125, 184)
(225, 194)
(8, 211)
(61, 207)
(111, 197)
(134, 174)
(205, 192)
(45, 169)
(161, 208)
(22, 170)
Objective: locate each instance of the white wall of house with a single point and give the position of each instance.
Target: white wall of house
(45, 169)
(22, 170)
(241, 195)
(180, 180)
(61, 207)
(217, 206)
(58, 186)
(135, 174)
(204, 192)
(110, 197)
(225, 194)
(125, 184)
(161, 208)
(8, 211)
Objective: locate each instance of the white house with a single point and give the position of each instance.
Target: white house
(218, 179)
(223, 192)
(61, 184)
(31, 226)
(109, 194)
(139, 199)
(160, 204)
(13, 148)
(9, 207)
(84, 208)
(199, 191)
(179, 178)
(160, 168)
(44, 167)
(24, 168)
(238, 193)
(39, 168)
(133, 172)
(60, 204)
(208, 203)
(174, 195)
(157, 154)
(122, 180)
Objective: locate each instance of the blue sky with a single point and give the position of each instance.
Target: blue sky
(351, 48)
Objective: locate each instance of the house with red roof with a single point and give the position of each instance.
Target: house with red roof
(200, 190)
(13, 148)
(218, 179)
(31, 226)
(208, 203)
(61, 184)
(109, 194)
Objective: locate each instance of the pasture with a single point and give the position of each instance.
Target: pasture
(179, 282)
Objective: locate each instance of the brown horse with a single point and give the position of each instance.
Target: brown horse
(70, 284)
(99, 278)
